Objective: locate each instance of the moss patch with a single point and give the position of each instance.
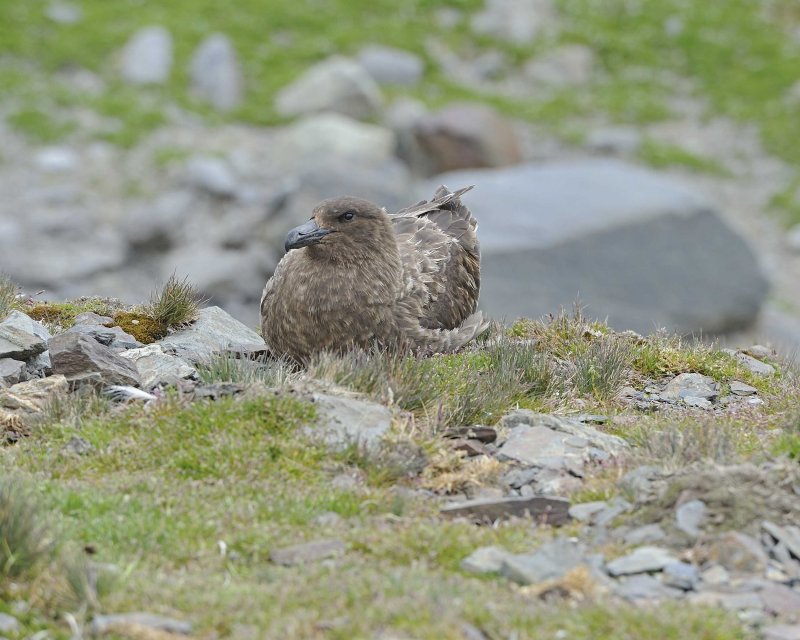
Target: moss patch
(59, 316)
(140, 325)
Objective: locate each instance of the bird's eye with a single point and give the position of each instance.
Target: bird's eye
(347, 216)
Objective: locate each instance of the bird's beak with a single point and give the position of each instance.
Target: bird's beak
(304, 235)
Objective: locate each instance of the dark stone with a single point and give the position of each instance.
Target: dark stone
(76, 354)
(546, 510)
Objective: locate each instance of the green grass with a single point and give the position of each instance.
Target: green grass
(660, 156)
(40, 125)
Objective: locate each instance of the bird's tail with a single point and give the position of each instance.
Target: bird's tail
(449, 340)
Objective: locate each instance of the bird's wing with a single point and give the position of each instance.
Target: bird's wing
(440, 259)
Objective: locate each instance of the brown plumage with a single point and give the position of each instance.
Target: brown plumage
(355, 276)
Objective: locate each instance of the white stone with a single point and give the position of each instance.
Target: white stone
(147, 56)
(216, 73)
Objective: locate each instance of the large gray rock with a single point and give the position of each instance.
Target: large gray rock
(391, 66)
(549, 562)
(76, 354)
(18, 342)
(641, 560)
(638, 248)
(344, 421)
(519, 21)
(11, 372)
(337, 84)
(213, 333)
(156, 367)
(147, 56)
(216, 73)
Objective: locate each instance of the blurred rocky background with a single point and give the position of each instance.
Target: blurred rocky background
(640, 155)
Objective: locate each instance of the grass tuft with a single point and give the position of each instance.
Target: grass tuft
(226, 367)
(8, 295)
(176, 304)
(26, 541)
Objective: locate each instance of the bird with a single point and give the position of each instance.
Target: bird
(357, 277)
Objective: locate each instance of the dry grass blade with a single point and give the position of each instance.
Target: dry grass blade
(227, 367)
(8, 295)
(176, 304)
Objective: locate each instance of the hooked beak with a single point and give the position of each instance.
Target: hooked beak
(304, 235)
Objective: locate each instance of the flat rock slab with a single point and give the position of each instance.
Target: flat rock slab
(30, 397)
(789, 536)
(307, 552)
(547, 510)
(781, 632)
(156, 367)
(550, 562)
(641, 560)
(103, 624)
(19, 344)
(343, 421)
(213, 333)
(742, 389)
(113, 337)
(689, 517)
(486, 560)
(690, 385)
(11, 371)
(645, 587)
(76, 354)
(609, 231)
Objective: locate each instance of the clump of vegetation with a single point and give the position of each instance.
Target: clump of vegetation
(140, 325)
(175, 305)
(661, 155)
(8, 295)
(26, 541)
(60, 316)
(788, 443)
(226, 367)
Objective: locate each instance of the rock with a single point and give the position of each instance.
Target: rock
(64, 13)
(216, 73)
(211, 175)
(147, 56)
(644, 587)
(758, 351)
(552, 442)
(568, 66)
(780, 600)
(485, 560)
(213, 333)
(114, 623)
(645, 534)
(17, 338)
(781, 632)
(343, 421)
(715, 575)
(612, 244)
(517, 21)
(697, 403)
(737, 552)
(546, 510)
(76, 354)
(586, 511)
(742, 389)
(730, 601)
(462, 136)
(9, 625)
(24, 400)
(91, 318)
(756, 366)
(551, 561)
(113, 337)
(331, 135)
(158, 368)
(641, 560)
(689, 517)
(616, 508)
(391, 66)
(681, 575)
(690, 385)
(337, 84)
(789, 536)
(57, 159)
(11, 372)
(307, 552)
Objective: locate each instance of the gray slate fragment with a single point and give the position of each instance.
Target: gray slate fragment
(156, 367)
(549, 562)
(780, 600)
(391, 66)
(681, 575)
(742, 389)
(92, 318)
(214, 332)
(546, 509)
(756, 366)
(485, 560)
(18, 344)
(738, 552)
(697, 403)
(75, 354)
(11, 372)
(715, 575)
(641, 560)
(586, 511)
(216, 73)
(344, 421)
(307, 552)
(9, 624)
(645, 587)
(113, 337)
(789, 535)
(781, 632)
(147, 56)
(24, 322)
(644, 534)
(616, 508)
(102, 624)
(690, 385)
(689, 517)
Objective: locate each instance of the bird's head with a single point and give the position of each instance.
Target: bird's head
(344, 227)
